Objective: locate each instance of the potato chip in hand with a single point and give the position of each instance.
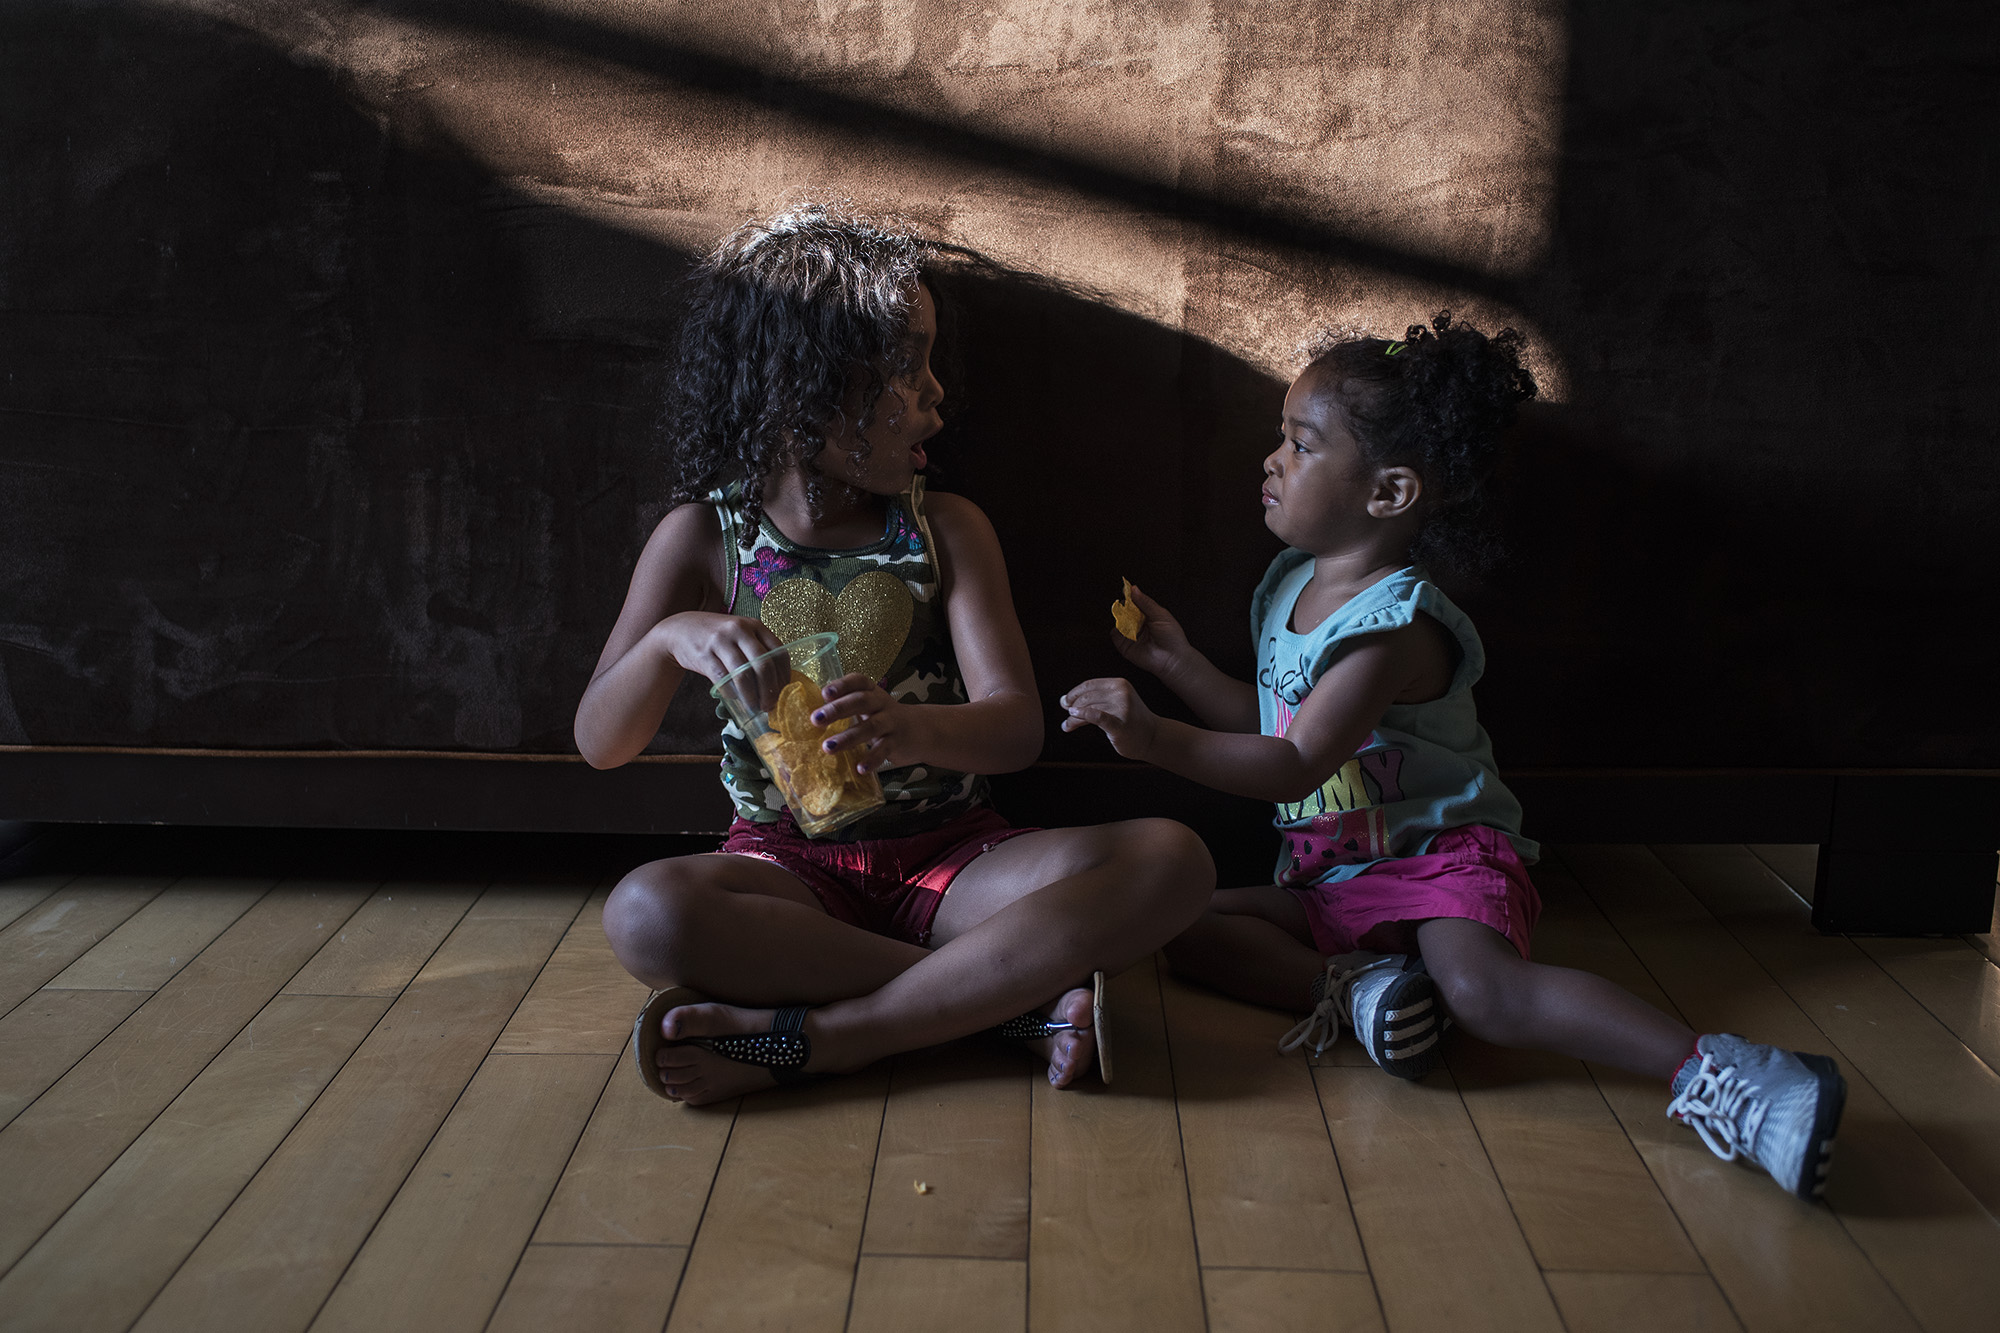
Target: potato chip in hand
(1127, 615)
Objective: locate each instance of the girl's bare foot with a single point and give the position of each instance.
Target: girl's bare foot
(697, 1075)
(1070, 1054)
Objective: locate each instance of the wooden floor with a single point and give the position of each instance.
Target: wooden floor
(233, 1101)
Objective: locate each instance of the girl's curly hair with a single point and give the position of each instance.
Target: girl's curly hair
(1438, 400)
(786, 320)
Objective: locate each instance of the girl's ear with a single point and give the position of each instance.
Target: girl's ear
(1397, 490)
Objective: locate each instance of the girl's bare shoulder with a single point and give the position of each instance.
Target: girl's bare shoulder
(684, 552)
(965, 536)
(955, 518)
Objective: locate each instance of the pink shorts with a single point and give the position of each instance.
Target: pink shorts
(890, 886)
(1471, 872)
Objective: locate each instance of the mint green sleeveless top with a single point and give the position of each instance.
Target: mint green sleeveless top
(1425, 768)
(882, 599)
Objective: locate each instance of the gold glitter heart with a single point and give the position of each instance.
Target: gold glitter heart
(872, 616)
(798, 607)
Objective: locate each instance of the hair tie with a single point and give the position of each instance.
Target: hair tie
(1393, 348)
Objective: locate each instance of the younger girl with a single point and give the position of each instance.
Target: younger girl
(805, 401)
(1402, 880)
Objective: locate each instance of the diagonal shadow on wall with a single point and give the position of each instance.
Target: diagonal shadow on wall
(690, 68)
(319, 435)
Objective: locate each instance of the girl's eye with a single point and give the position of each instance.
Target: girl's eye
(1298, 446)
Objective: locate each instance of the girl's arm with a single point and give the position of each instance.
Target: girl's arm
(671, 624)
(1332, 723)
(1222, 701)
(999, 729)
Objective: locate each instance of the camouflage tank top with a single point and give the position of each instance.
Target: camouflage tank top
(883, 600)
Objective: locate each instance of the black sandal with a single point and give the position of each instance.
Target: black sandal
(1034, 1025)
(784, 1048)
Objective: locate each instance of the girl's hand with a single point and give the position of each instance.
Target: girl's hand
(885, 733)
(715, 645)
(1161, 642)
(1114, 707)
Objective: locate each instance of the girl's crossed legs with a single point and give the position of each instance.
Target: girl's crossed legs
(1022, 923)
(1255, 943)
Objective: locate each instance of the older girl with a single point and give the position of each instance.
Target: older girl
(806, 398)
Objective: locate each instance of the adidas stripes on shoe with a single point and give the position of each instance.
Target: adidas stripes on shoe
(1778, 1108)
(1390, 1002)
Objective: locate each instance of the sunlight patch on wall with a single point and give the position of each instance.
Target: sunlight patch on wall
(1427, 130)
(1429, 125)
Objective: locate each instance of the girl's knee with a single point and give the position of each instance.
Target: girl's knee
(1171, 861)
(653, 913)
(1174, 850)
(1480, 999)
(1466, 993)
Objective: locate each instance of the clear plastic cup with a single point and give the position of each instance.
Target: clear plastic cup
(772, 698)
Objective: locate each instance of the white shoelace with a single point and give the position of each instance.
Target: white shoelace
(1719, 1105)
(1321, 1027)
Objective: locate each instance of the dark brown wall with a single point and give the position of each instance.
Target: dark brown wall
(332, 334)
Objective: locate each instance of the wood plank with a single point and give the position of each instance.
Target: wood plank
(1111, 1242)
(548, 899)
(1772, 1256)
(1901, 1181)
(1641, 1303)
(641, 1173)
(957, 1120)
(1958, 984)
(910, 1294)
(1580, 935)
(50, 1031)
(18, 895)
(1938, 1250)
(387, 942)
(1781, 1264)
(441, 1256)
(583, 1001)
(1988, 940)
(1262, 1179)
(1579, 1190)
(273, 1257)
(1343, 1054)
(53, 1150)
(1443, 1245)
(645, 1168)
(1796, 863)
(1945, 1092)
(602, 1288)
(160, 938)
(63, 926)
(778, 1243)
(98, 1266)
(1574, 933)
(1254, 1300)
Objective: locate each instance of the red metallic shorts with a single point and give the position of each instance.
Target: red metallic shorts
(890, 886)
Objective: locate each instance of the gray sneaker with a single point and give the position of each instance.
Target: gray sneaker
(1391, 1003)
(1778, 1108)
